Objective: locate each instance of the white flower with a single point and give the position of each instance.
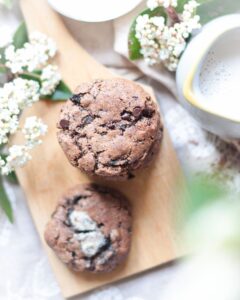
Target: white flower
(141, 22)
(33, 55)
(152, 4)
(47, 44)
(32, 130)
(14, 97)
(50, 79)
(25, 92)
(18, 157)
(161, 43)
(2, 162)
(20, 93)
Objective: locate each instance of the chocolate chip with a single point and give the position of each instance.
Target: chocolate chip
(76, 199)
(126, 115)
(69, 211)
(111, 126)
(135, 97)
(147, 112)
(77, 97)
(64, 124)
(130, 176)
(87, 120)
(137, 112)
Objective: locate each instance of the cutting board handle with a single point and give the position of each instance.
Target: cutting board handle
(41, 17)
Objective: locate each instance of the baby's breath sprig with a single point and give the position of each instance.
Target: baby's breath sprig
(30, 76)
(161, 32)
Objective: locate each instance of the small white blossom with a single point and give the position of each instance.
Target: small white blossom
(18, 157)
(32, 130)
(14, 97)
(161, 43)
(33, 55)
(152, 4)
(2, 162)
(50, 79)
(41, 40)
(20, 93)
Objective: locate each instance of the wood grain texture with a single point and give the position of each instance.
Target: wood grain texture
(48, 175)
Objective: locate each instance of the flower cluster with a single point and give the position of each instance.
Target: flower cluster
(165, 43)
(152, 4)
(33, 129)
(30, 76)
(50, 79)
(20, 93)
(18, 155)
(14, 97)
(33, 55)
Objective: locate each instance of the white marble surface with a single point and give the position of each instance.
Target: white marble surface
(25, 272)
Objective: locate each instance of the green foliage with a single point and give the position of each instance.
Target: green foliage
(5, 203)
(202, 192)
(12, 177)
(31, 76)
(2, 53)
(208, 10)
(21, 36)
(134, 46)
(62, 92)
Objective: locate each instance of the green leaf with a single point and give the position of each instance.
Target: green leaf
(21, 36)
(61, 93)
(37, 72)
(2, 54)
(134, 46)
(12, 177)
(180, 5)
(31, 76)
(5, 203)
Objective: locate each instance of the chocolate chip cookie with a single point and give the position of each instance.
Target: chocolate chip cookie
(110, 128)
(90, 229)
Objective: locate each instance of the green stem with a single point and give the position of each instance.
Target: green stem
(5, 203)
(31, 74)
(24, 72)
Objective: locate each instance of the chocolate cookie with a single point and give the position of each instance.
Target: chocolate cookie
(110, 128)
(90, 228)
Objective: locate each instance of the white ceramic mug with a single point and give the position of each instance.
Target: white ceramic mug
(207, 77)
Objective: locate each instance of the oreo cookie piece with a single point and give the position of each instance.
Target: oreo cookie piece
(90, 229)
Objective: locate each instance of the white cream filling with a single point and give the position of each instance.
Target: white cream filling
(81, 221)
(92, 240)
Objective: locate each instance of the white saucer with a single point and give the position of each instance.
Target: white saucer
(93, 10)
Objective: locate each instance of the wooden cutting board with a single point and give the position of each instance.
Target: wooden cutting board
(49, 174)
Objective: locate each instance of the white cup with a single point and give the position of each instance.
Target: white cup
(208, 77)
